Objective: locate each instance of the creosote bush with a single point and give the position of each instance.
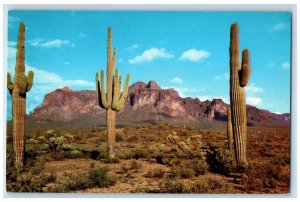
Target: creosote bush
(219, 160)
(95, 177)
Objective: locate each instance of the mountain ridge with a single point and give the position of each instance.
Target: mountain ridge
(145, 102)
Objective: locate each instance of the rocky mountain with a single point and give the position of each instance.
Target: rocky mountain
(145, 103)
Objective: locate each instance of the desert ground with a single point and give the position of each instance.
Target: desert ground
(150, 159)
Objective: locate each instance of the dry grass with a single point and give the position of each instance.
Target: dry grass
(144, 168)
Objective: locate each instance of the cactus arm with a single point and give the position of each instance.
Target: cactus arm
(113, 60)
(116, 93)
(103, 100)
(124, 94)
(97, 86)
(98, 93)
(120, 86)
(30, 77)
(10, 85)
(22, 84)
(245, 71)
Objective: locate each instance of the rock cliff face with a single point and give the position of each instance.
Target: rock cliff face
(146, 102)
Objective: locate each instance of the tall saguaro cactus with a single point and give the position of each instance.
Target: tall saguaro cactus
(111, 98)
(229, 131)
(18, 89)
(239, 76)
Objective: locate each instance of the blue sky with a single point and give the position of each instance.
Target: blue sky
(188, 51)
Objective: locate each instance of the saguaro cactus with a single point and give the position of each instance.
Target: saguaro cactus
(18, 89)
(229, 131)
(111, 99)
(239, 76)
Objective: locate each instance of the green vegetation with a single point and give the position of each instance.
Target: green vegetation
(161, 159)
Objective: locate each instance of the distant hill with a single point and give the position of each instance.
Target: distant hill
(146, 103)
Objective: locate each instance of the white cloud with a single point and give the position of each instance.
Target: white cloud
(151, 54)
(82, 35)
(279, 26)
(194, 55)
(184, 91)
(205, 97)
(45, 82)
(222, 77)
(13, 21)
(56, 43)
(270, 65)
(11, 43)
(255, 101)
(177, 80)
(253, 89)
(67, 63)
(134, 46)
(286, 65)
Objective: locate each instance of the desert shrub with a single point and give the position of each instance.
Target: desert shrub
(182, 172)
(70, 154)
(156, 172)
(94, 154)
(124, 168)
(26, 182)
(111, 160)
(188, 148)
(134, 165)
(264, 175)
(119, 136)
(95, 177)
(172, 186)
(100, 178)
(37, 168)
(219, 161)
(198, 165)
(59, 146)
(128, 166)
(125, 154)
(138, 154)
(29, 178)
(211, 185)
(75, 181)
(103, 154)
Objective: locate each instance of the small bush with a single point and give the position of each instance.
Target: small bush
(70, 154)
(100, 178)
(76, 181)
(134, 165)
(220, 161)
(119, 136)
(182, 172)
(198, 165)
(172, 186)
(138, 154)
(211, 185)
(95, 154)
(112, 160)
(157, 172)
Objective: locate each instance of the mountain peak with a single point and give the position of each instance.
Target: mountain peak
(153, 85)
